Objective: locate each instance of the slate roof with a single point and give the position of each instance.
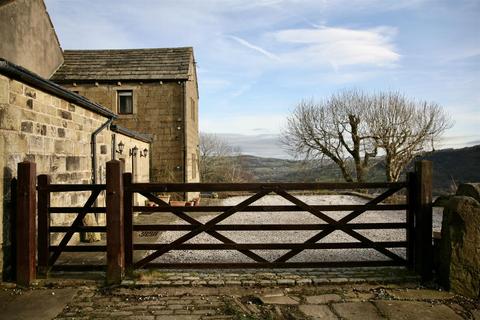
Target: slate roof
(126, 64)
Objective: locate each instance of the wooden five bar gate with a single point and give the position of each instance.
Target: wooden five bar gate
(120, 210)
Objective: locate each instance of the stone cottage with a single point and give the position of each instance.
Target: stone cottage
(151, 90)
(145, 114)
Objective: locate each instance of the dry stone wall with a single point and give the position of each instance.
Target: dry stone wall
(191, 128)
(460, 244)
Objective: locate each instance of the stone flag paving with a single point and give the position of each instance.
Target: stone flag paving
(363, 301)
(89, 300)
(339, 293)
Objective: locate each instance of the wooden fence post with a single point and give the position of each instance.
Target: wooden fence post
(423, 219)
(25, 223)
(43, 225)
(115, 228)
(128, 219)
(410, 234)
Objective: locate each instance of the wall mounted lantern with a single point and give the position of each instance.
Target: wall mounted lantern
(133, 151)
(120, 148)
(144, 153)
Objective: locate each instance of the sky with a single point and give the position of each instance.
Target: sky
(257, 59)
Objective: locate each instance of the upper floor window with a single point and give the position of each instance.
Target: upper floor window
(125, 101)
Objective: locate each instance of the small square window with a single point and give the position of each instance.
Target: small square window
(125, 102)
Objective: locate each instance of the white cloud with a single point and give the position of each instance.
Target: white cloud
(339, 46)
(281, 50)
(254, 47)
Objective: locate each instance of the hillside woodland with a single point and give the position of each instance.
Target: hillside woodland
(450, 167)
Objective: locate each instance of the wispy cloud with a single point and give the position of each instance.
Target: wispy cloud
(249, 45)
(256, 59)
(339, 46)
(241, 90)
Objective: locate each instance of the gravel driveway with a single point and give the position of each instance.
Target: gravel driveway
(295, 217)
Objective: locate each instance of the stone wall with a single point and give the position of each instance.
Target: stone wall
(191, 127)
(55, 134)
(138, 164)
(159, 109)
(459, 263)
(28, 37)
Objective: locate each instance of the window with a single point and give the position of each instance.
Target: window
(192, 106)
(125, 102)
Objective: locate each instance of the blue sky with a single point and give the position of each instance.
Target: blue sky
(257, 59)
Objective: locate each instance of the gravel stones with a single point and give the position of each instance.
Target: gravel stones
(298, 236)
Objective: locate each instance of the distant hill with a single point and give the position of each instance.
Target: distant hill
(454, 166)
(450, 167)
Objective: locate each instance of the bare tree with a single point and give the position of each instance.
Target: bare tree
(219, 162)
(351, 126)
(403, 127)
(335, 129)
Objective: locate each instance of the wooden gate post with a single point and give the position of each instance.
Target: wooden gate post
(423, 219)
(43, 225)
(26, 235)
(115, 228)
(410, 234)
(128, 220)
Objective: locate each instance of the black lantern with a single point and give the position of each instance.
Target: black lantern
(120, 147)
(144, 153)
(133, 151)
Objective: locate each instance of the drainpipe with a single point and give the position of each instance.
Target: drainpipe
(114, 146)
(93, 143)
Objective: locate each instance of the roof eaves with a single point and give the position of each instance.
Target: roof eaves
(123, 78)
(21, 74)
(130, 133)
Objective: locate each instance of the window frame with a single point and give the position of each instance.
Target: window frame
(119, 92)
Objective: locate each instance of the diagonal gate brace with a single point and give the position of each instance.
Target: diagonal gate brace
(202, 228)
(193, 221)
(334, 225)
(78, 220)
